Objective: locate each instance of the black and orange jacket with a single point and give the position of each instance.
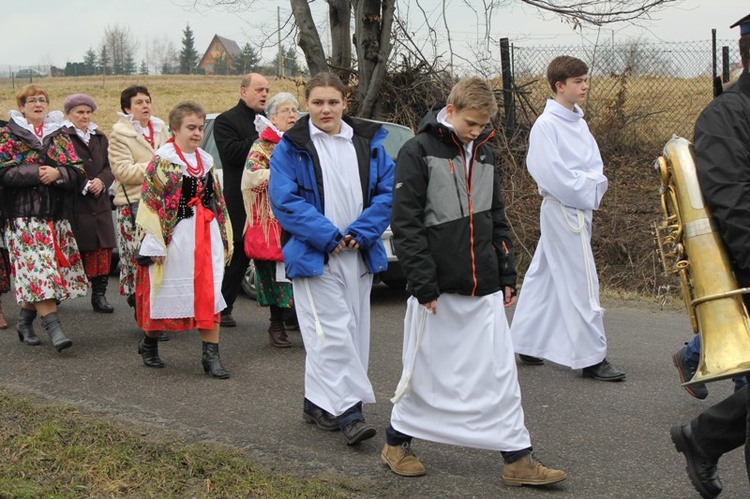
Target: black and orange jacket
(449, 227)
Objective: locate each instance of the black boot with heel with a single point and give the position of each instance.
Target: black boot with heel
(56, 335)
(25, 328)
(98, 298)
(212, 362)
(149, 349)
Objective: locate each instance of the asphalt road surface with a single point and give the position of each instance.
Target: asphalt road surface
(611, 438)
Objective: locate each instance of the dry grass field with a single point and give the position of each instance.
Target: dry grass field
(214, 93)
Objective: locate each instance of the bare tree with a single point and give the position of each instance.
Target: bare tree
(164, 56)
(374, 22)
(121, 47)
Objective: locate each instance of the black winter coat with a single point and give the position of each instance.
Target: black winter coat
(92, 225)
(722, 149)
(449, 226)
(234, 132)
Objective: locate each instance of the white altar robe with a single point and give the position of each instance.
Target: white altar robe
(558, 316)
(463, 386)
(333, 309)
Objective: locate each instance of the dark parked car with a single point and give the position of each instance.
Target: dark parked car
(397, 136)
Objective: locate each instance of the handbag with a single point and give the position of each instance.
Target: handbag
(260, 247)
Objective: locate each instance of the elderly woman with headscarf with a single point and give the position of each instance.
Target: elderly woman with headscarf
(262, 230)
(133, 141)
(92, 225)
(40, 174)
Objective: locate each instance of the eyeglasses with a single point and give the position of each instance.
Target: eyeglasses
(34, 100)
(285, 111)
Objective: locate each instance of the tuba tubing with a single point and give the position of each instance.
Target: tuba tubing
(691, 247)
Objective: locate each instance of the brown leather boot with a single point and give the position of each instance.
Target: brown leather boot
(402, 460)
(529, 471)
(277, 335)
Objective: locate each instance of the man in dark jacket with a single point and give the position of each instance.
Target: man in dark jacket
(235, 133)
(722, 150)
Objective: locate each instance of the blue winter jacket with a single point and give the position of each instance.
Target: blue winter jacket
(297, 199)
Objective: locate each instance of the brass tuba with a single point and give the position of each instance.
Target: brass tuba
(690, 246)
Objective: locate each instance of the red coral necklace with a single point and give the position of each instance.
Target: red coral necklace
(150, 137)
(194, 171)
(39, 130)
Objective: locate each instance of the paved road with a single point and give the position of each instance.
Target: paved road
(611, 438)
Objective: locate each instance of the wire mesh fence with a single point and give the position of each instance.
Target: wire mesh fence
(644, 91)
(640, 95)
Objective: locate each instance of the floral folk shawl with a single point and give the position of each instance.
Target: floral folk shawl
(160, 198)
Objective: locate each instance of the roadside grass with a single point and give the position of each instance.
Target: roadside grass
(53, 450)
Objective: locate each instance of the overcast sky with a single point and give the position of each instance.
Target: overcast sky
(61, 31)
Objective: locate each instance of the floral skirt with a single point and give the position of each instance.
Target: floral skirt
(127, 243)
(44, 260)
(270, 292)
(97, 262)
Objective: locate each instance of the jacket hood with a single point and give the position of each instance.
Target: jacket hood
(431, 125)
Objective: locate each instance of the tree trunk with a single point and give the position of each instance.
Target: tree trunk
(309, 39)
(341, 45)
(373, 42)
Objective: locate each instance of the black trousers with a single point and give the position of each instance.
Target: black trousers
(233, 275)
(725, 426)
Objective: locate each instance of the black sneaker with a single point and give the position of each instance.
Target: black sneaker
(358, 431)
(530, 361)
(687, 369)
(322, 419)
(227, 320)
(603, 371)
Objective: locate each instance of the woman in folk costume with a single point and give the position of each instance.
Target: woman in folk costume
(558, 316)
(134, 139)
(40, 175)
(4, 261)
(184, 248)
(92, 225)
(262, 231)
(330, 187)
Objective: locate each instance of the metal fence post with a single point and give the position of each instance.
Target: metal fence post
(725, 64)
(508, 102)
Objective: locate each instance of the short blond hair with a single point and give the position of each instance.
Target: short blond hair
(27, 91)
(473, 93)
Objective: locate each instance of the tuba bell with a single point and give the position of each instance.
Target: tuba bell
(690, 247)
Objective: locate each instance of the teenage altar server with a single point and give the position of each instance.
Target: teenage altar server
(558, 316)
(330, 188)
(459, 383)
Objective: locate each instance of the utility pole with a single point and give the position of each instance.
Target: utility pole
(280, 61)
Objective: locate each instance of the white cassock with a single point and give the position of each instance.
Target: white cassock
(558, 316)
(337, 352)
(463, 386)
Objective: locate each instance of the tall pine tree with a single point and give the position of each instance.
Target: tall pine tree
(188, 54)
(89, 62)
(249, 60)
